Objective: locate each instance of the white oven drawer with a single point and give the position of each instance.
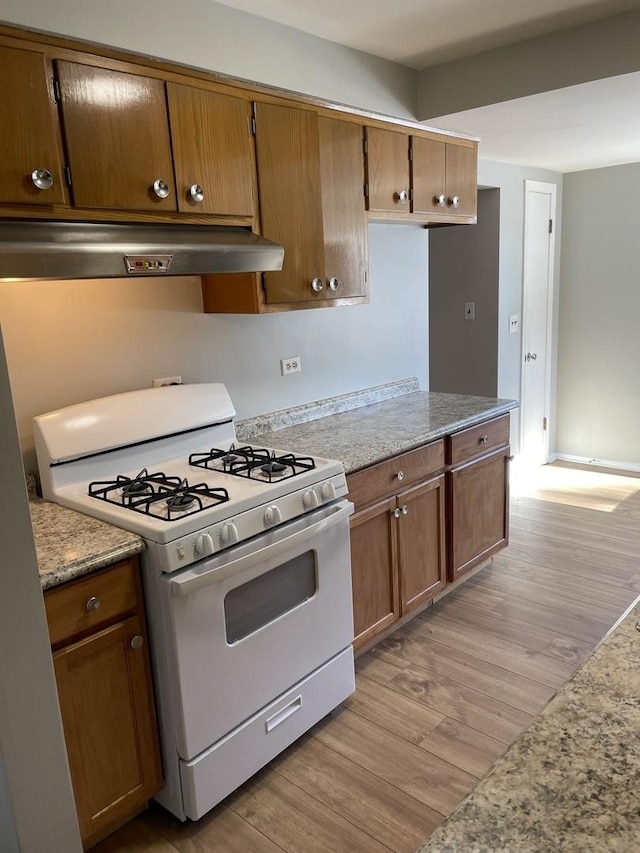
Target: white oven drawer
(213, 775)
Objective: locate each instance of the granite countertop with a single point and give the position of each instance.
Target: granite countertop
(374, 428)
(70, 544)
(571, 782)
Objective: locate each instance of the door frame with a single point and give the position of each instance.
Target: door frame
(551, 189)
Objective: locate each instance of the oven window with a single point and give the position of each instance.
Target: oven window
(261, 600)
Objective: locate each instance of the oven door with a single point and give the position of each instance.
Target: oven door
(250, 622)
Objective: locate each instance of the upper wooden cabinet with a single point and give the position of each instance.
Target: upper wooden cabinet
(30, 161)
(310, 189)
(212, 151)
(419, 177)
(117, 138)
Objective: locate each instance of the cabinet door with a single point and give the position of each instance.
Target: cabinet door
(373, 570)
(344, 223)
(478, 499)
(117, 135)
(421, 543)
(387, 171)
(462, 181)
(428, 176)
(288, 157)
(30, 138)
(109, 724)
(212, 149)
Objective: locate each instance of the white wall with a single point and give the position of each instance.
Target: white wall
(76, 340)
(510, 180)
(205, 34)
(599, 352)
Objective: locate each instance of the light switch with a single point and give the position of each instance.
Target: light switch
(469, 310)
(514, 324)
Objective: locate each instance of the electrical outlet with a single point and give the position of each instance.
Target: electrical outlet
(514, 323)
(469, 310)
(290, 365)
(166, 380)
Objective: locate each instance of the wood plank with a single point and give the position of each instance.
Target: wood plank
(566, 648)
(296, 821)
(614, 574)
(392, 712)
(424, 776)
(463, 746)
(378, 808)
(588, 630)
(485, 677)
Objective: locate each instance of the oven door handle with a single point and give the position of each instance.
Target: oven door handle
(190, 582)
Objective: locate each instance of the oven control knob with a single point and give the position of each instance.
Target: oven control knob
(204, 544)
(310, 500)
(229, 534)
(328, 491)
(272, 515)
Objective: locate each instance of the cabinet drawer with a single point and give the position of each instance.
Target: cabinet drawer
(71, 608)
(386, 478)
(477, 440)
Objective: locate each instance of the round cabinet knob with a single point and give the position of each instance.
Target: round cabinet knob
(204, 545)
(440, 200)
(405, 510)
(272, 516)
(317, 285)
(42, 179)
(395, 512)
(161, 188)
(196, 192)
(137, 642)
(400, 476)
(310, 500)
(229, 534)
(333, 283)
(93, 604)
(454, 201)
(401, 196)
(484, 439)
(328, 491)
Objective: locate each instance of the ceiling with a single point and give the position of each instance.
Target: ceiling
(580, 127)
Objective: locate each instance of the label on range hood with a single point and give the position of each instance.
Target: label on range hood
(147, 264)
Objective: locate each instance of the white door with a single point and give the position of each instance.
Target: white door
(540, 214)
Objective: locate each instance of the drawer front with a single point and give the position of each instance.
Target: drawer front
(477, 440)
(393, 475)
(85, 604)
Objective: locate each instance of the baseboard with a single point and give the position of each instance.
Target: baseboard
(596, 463)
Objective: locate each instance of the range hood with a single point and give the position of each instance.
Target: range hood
(35, 249)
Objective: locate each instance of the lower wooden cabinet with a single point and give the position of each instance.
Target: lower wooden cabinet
(397, 541)
(424, 518)
(106, 700)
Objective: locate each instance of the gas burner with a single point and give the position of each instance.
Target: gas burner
(253, 463)
(158, 495)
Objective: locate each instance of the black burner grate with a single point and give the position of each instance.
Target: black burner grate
(253, 463)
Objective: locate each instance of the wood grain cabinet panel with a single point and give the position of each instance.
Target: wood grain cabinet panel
(116, 131)
(387, 175)
(462, 179)
(106, 700)
(213, 150)
(30, 138)
(374, 575)
(443, 179)
(421, 544)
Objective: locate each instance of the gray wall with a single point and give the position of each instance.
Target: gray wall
(205, 34)
(463, 267)
(35, 783)
(599, 351)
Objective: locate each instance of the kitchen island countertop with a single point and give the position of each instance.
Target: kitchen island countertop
(70, 544)
(369, 433)
(570, 782)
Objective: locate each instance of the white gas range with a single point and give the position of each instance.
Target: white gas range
(246, 573)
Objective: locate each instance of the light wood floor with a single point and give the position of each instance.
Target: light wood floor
(441, 699)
